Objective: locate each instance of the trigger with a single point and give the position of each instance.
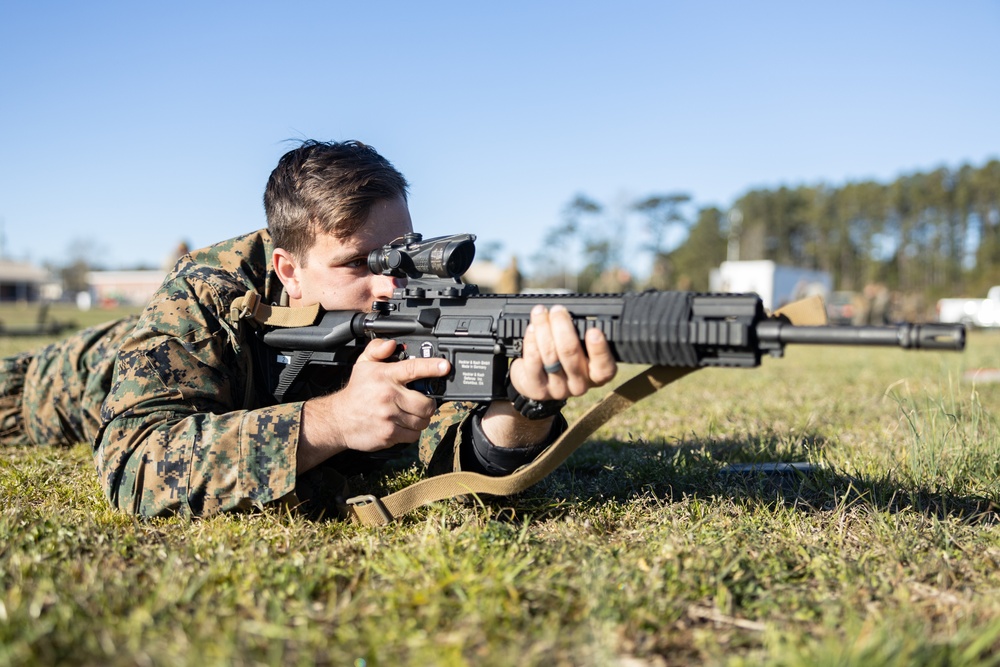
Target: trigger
(429, 386)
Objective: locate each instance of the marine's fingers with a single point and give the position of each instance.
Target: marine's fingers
(415, 404)
(378, 349)
(526, 374)
(403, 434)
(571, 355)
(413, 422)
(544, 340)
(417, 368)
(602, 366)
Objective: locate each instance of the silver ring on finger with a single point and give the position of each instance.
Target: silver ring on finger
(552, 369)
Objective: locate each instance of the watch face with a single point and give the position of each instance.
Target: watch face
(530, 408)
(533, 410)
(541, 409)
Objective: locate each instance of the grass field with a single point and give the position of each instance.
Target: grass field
(641, 550)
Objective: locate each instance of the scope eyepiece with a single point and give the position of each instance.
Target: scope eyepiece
(413, 257)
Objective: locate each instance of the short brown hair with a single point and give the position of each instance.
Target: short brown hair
(326, 187)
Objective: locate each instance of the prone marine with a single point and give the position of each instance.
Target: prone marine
(176, 404)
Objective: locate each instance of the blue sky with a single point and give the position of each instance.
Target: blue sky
(128, 127)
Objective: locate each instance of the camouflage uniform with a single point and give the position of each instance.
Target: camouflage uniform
(53, 395)
(188, 426)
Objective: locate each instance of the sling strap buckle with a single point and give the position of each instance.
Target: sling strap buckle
(367, 499)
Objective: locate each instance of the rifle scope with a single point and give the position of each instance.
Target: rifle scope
(412, 257)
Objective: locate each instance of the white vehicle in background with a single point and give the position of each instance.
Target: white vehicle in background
(971, 312)
(776, 285)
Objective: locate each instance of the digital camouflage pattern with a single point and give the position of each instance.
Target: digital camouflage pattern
(188, 426)
(13, 373)
(53, 395)
(183, 428)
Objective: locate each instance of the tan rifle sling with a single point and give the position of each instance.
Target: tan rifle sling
(252, 307)
(373, 511)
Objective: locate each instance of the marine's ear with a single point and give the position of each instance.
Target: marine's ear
(287, 269)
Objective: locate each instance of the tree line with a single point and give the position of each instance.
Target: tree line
(933, 234)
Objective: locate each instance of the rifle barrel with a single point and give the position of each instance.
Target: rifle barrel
(907, 336)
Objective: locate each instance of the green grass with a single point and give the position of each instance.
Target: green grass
(638, 551)
(23, 316)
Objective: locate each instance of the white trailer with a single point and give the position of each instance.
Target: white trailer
(971, 312)
(776, 285)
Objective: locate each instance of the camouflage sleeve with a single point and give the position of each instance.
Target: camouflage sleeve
(449, 433)
(454, 441)
(179, 433)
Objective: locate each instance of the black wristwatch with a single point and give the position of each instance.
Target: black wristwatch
(530, 408)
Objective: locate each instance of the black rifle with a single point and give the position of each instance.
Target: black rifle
(437, 315)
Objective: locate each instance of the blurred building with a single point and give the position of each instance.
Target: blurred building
(490, 277)
(128, 288)
(21, 281)
(485, 274)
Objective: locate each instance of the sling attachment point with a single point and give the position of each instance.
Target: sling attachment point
(245, 307)
(251, 306)
(369, 499)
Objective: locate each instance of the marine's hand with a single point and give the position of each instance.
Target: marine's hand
(374, 411)
(551, 339)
